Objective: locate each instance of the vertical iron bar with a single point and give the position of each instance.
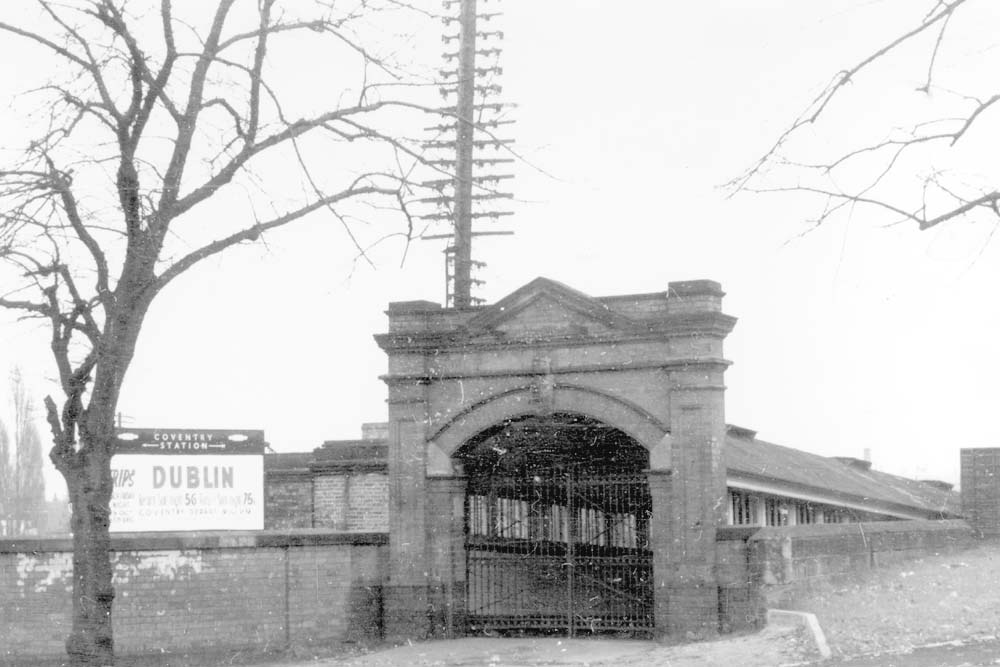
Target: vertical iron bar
(570, 563)
(615, 565)
(470, 512)
(630, 570)
(502, 599)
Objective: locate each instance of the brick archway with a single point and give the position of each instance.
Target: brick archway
(643, 427)
(650, 365)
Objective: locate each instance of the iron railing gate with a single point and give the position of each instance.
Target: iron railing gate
(559, 551)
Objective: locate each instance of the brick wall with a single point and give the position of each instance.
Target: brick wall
(760, 567)
(368, 502)
(179, 592)
(330, 501)
(741, 605)
(288, 502)
(352, 500)
(818, 553)
(981, 489)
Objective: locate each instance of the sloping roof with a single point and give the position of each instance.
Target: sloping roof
(746, 458)
(752, 458)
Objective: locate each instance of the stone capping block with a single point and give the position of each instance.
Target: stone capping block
(203, 540)
(297, 474)
(349, 467)
(351, 449)
(868, 528)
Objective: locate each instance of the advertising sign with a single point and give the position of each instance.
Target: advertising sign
(185, 479)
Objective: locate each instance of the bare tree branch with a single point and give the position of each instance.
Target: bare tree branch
(840, 81)
(254, 233)
(189, 117)
(91, 65)
(293, 131)
(933, 201)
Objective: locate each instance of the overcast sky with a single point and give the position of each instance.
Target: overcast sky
(849, 337)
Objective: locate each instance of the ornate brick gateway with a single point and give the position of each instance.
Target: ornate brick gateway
(614, 405)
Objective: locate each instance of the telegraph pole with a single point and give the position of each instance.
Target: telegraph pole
(465, 132)
(467, 194)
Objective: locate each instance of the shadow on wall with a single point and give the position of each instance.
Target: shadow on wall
(366, 606)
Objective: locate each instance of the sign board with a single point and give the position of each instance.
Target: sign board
(187, 479)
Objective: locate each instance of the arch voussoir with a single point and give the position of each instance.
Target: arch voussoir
(627, 417)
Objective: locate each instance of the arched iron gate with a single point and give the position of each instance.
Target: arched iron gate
(559, 550)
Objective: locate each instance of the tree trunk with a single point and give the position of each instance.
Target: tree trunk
(90, 644)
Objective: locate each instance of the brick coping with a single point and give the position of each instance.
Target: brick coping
(869, 528)
(170, 541)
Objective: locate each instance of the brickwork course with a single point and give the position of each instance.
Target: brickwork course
(201, 592)
(980, 479)
(649, 365)
(342, 485)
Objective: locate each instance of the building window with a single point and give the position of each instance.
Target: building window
(514, 518)
(743, 507)
(805, 513)
(775, 512)
(479, 515)
(836, 516)
(623, 530)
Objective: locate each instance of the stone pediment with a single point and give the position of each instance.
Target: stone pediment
(545, 307)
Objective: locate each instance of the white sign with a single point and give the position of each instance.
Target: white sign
(159, 492)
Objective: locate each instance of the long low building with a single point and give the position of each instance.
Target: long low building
(772, 485)
(344, 484)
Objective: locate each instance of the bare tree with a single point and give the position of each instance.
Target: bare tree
(151, 117)
(917, 173)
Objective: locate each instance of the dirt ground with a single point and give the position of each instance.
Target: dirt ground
(770, 648)
(947, 598)
(932, 600)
